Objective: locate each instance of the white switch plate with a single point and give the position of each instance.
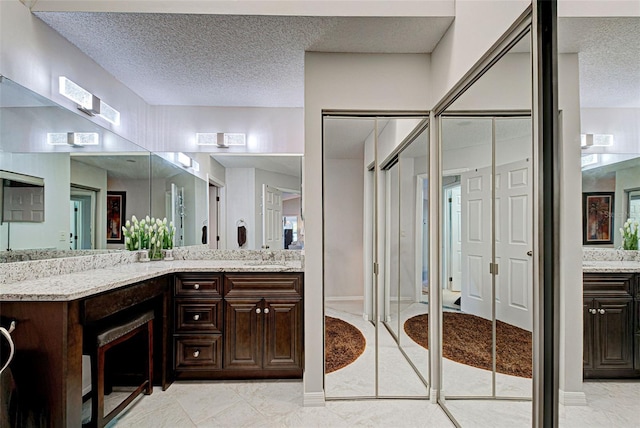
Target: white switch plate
(63, 236)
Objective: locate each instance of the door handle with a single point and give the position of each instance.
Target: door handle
(266, 310)
(529, 253)
(258, 311)
(602, 311)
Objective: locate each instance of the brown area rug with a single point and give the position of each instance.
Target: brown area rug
(343, 344)
(467, 340)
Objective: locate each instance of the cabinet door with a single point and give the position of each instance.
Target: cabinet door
(282, 334)
(613, 334)
(243, 334)
(587, 349)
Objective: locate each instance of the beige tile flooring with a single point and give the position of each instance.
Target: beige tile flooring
(279, 404)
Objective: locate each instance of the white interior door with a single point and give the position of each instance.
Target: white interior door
(514, 292)
(475, 216)
(272, 227)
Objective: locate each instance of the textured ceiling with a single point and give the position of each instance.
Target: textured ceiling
(231, 60)
(609, 56)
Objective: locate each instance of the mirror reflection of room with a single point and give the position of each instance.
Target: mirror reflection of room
(375, 211)
(487, 248)
(255, 202)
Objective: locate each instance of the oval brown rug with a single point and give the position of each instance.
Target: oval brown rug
(343, 344)
(467, 340)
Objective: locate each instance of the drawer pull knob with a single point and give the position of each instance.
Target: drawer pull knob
(196, 286)
(258, 311)
(593, 311)
(602, 311)
(266, 310)
(196, 317)
(196, 353)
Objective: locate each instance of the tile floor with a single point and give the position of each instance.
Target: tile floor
(279, 403)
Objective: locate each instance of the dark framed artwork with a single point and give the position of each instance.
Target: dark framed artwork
(597, 218)
(116, 211)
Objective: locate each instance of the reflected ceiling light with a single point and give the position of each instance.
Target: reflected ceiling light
(596, 140)
(220, 139)
(589, 160)
(184, 160)
(73, 138)
(87, 102)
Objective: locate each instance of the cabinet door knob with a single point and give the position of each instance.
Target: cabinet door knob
(196, 286)
(196, 317)
(196, 353)
(258, 311)
(602, 311)
(266, 310)
(593, 311)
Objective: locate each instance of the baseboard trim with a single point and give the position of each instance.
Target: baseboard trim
(572, 398)
(343, 298)
(313, 399)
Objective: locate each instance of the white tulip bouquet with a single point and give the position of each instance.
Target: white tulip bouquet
(629, 232)
(149, 234)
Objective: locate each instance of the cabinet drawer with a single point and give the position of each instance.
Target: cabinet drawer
(198, 352)
(198, 285)
(609, 284)
(199, 315)
(274, 284)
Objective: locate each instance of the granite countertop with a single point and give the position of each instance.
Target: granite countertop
(82, 284)
(612, 266)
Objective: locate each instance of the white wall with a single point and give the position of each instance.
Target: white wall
(240, 204)
(34, 55)
(268, 130)
(343, 242)
(54, 231)
(343, 81)
(570, 233)
(468, 38)
(622, 123)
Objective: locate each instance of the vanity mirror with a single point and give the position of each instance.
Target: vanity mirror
(41, 139)
(260, 200)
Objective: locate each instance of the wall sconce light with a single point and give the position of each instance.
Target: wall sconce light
(220, 139)
(596, 140)
(587, 160)
(73, 139)
(184, 160)
(87, 102)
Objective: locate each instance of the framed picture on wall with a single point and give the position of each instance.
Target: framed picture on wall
(597, 218)
(116, 204)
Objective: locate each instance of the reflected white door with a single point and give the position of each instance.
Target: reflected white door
(514, 292)
(476, 242)
(23, 204)
(456, 240)
(272, 227)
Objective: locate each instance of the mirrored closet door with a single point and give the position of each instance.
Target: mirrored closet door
(487, 230)
(375, 263)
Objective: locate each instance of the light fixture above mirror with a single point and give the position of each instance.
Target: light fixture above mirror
(221, 139)
(87, 102)
(73, 138)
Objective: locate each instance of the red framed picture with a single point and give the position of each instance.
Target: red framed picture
(597, 218)
(116, 204)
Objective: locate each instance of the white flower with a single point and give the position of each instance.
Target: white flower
(171, 223)
(134, 219)
(147, 219)
(164, 221)
(153, 240)
(136, 227)
(131, 230)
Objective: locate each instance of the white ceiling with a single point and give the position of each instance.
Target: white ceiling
(231, 60)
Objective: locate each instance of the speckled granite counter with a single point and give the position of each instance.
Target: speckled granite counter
(611, 266)
(86, 283)
(599, 260)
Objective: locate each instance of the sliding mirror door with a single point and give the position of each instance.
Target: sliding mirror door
(375, 211)
(487, 210)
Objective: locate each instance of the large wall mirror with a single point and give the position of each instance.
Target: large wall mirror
(256, 202)
(487, 243)
(376, 206)
(90, 189)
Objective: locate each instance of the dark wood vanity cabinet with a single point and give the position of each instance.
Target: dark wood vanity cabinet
(254, 329)
(198, 318)
(610, 319)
